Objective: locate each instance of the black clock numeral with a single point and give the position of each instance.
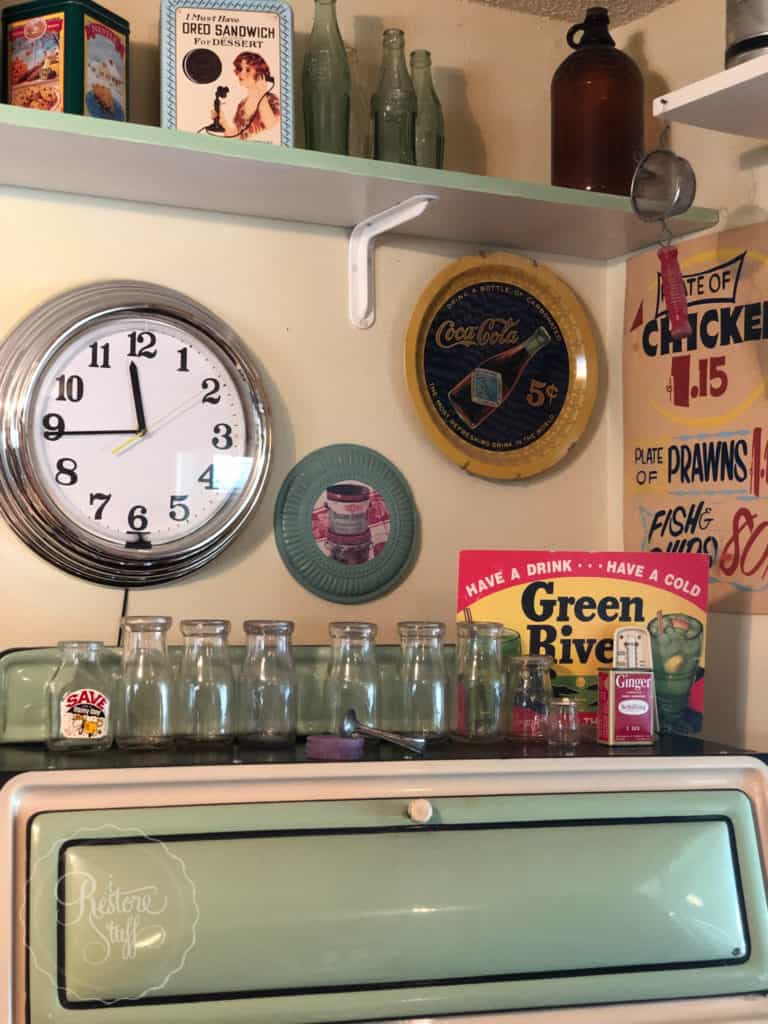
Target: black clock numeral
(53, 426)
(143, 343)
(207, 478)
(99, 356)
(137, 519)
(70, 388)
(211, 388)
(222, 436)
(183, 366)
(66, 472)
(179, 509)
(102, 500)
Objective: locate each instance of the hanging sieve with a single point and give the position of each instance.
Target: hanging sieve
(664, 185)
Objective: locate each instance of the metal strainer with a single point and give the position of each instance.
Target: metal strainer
(664, 185)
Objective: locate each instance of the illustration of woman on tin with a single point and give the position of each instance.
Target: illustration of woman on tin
(259, 110)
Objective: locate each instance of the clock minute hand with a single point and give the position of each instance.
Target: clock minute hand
(137, 400)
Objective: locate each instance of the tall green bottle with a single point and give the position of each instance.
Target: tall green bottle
(393, 106)
(326, 84)
(430, 124)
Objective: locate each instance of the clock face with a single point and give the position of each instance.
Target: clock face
(139, 433)
(140, 436)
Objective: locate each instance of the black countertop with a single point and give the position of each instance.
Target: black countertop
(15, 760)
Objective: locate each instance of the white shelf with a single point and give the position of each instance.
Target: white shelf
(731, 101)
(86, 156)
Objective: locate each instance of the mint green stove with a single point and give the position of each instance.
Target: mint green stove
(480, 888)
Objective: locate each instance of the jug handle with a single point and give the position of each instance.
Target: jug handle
(571, 33)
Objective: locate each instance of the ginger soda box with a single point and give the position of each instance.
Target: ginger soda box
(568, 605)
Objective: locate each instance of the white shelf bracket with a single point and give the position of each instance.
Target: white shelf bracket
(362, 293)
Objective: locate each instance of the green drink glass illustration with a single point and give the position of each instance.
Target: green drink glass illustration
(676, 651)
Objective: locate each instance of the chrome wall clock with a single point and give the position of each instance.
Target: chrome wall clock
(134, 433)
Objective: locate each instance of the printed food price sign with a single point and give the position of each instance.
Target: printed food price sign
(696, 415)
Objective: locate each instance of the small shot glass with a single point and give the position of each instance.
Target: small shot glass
(561, 728)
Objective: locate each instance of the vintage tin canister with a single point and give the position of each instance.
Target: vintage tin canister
(625, 703)
(70, 56)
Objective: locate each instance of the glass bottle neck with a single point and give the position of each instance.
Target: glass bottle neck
(79, 655)
(595, 30)
(393, 58)
(144, 640)
(421, 644)
(343, 647)
(197, 644)
(259, 644)
(422, 77)
(325, 24)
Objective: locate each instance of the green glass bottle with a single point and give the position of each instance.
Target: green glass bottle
(430, 124)
(326, 84)
(393, 107)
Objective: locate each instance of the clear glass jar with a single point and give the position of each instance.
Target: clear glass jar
(477, 707)
(530, 693)
(267, 715)
(393, 105)
(206, 688)
(561, 727)
(353, 673)
(144, 701)
(424, 680)
(80, 699)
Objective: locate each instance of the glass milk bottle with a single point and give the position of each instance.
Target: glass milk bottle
(353, 673)
(424, 680)
(206, 689)
(144, 701)
(326, 84)
(79, 699)
(430, 124)
(267, 716)
(393, 106)
(478, 702)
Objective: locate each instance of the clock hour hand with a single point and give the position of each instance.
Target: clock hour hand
(137, 400)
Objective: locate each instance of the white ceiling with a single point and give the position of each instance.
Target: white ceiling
(621, 11)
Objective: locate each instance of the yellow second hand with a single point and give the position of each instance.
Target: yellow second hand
(128, 443)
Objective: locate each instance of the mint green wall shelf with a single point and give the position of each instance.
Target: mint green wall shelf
(83, 156)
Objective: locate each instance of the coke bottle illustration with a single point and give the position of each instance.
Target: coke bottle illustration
(486, 388)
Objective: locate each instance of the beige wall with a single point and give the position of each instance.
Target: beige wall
(287, 298)
(284, 291)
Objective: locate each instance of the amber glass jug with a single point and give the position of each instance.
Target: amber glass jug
(597, 111)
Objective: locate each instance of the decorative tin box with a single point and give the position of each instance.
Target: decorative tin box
(70, 56)
(227, 69)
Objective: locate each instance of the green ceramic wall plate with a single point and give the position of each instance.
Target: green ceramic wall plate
(346, 524)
